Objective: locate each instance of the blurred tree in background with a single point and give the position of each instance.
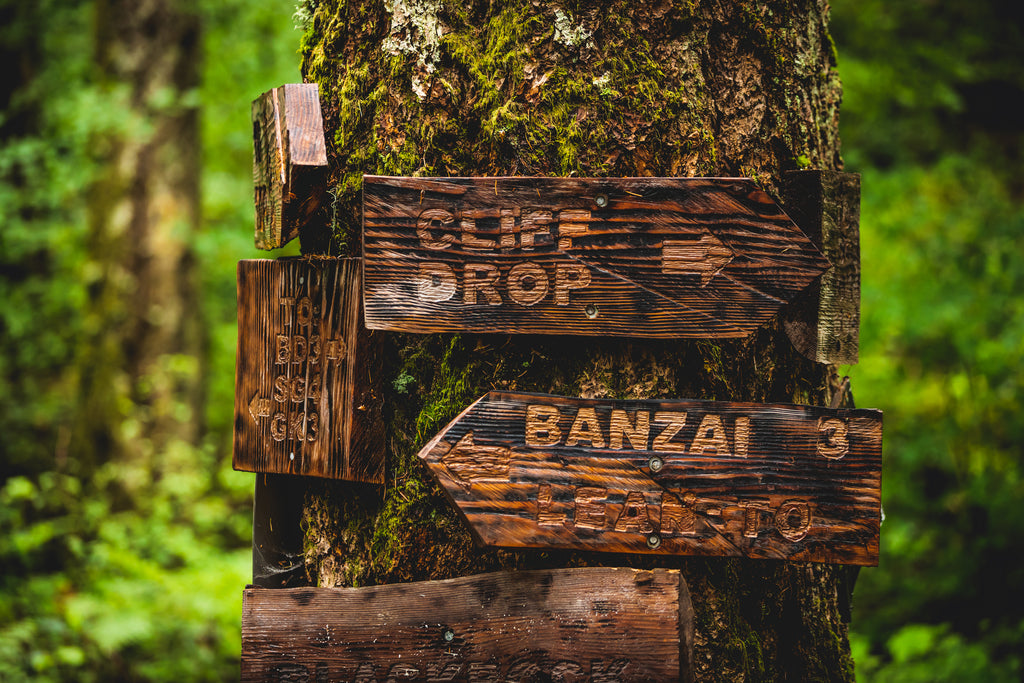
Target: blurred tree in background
(933, 93)
(125, 201)
(122, 556)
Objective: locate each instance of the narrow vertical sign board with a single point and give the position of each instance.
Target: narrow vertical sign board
(304, 403)
(584, 624)
(634, 257)
(665, 477)
(289, 161)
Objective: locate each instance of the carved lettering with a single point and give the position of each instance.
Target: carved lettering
(430, 221)
(634, 516)
(480, 278)
(676, 517)
(710, 439)
(545, 515)
(741, 437)
(793, 519)
(527, 283)
(636, 432)
(569, 276)
(542, 426)
(590, 503)
(585, 428)
(435, 282)
(833, 438)
(752, 517)
(663, 441)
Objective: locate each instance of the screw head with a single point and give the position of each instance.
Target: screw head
(591, 310)
(653, 541)
(601, 200)
(655, 464)
(449, 635)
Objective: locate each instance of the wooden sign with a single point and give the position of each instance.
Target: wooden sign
(665, 477)
(637, 257)
(824, 322)
(289, 161)
(303, 399)
(585, 624)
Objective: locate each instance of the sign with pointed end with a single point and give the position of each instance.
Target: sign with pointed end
(304, 402)
(665, 477)
(581, 624)
(633, 257)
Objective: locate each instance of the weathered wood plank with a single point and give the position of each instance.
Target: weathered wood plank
(824, 322)
(304, 402)
(639, 257)
(665, 477)
(585, 624)
(289, 161)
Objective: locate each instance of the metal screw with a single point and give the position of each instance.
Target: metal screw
(601, 200)
(449, 635)
(653, 541)
(591, 311)
(301, 279)
(655, 463)
(291, 456)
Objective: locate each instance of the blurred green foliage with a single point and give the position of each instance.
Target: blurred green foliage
(931, 118)
(110, 574)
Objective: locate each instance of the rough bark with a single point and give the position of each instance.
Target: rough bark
(430, 87)
(140, 380)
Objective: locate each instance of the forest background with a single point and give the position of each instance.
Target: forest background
(124, 558)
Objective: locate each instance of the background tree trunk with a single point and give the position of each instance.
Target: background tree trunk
(436, 88)
(140, 387)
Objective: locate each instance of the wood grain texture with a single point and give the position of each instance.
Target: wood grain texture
(304, 401)
(666, 477)
(586, 624)
(824, 322)
(289, 161)
(635, 257)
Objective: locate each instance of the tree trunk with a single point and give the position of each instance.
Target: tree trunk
(140, 386)
(436, 88)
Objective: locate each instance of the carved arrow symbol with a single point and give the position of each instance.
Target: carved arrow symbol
(259, 407)
(705, 257)
(468, 462)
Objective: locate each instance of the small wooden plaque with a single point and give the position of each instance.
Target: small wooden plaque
(304, 403)
(665, 477)
(289, 161)
(824, 322)
(634, 257)
(584, 624)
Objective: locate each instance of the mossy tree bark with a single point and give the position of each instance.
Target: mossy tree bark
(432, 87)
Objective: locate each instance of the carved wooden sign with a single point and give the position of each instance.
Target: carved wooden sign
(665, 477)
(303, 399)
(289, 161)
(639, 257)
(585, 624)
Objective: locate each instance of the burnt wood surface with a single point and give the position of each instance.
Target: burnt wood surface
(289, 161)
(665, 477)
(583, 624)
(824, 322)
(304, 401)
(634, 257)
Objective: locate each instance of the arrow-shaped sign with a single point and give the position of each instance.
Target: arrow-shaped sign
(468, 462)
(641, 257)
(666, 477)
(260, 407)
